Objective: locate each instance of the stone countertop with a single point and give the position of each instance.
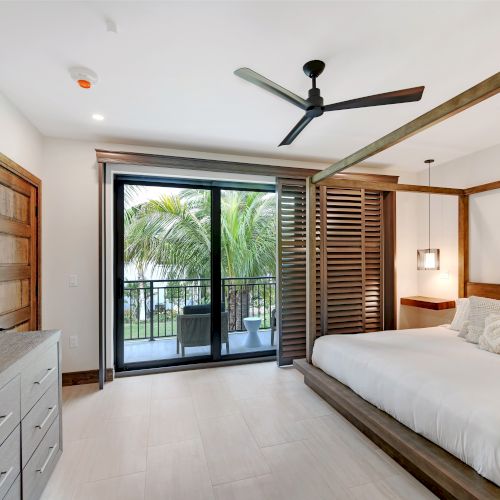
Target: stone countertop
(15, 346)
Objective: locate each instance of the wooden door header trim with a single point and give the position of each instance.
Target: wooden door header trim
(154, 160)
(461, 102)
(15, 168)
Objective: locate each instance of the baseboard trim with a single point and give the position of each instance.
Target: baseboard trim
(85, 377)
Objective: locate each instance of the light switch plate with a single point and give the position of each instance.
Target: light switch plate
(73, 280)
(73, 341)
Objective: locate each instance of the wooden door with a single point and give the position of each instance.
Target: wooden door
(19, 248)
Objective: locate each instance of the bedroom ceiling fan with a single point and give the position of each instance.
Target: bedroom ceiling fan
(313, 105)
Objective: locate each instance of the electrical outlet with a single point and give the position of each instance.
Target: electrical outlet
(73, 341)
(73, 280)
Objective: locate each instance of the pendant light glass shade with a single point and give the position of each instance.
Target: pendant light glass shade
(428, 258)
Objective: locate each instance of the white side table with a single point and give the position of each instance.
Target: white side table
(252, 324)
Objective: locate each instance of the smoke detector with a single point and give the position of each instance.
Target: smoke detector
(84, 77)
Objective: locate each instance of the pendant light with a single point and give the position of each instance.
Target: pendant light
(428, 258)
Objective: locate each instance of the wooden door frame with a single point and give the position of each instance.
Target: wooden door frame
(32, 179)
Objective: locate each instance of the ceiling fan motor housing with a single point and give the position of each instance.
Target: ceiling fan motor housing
(316, 102)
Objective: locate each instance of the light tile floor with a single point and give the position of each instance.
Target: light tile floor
(245, 432)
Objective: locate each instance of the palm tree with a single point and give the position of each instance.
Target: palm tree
(171, 236)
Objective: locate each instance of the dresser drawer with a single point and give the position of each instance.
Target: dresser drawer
(15, 490)
(42, 463)
(37, 378)
(10, 407)
(9, 461)
(36, 423)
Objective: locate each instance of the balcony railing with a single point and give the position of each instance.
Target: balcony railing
(151, 307)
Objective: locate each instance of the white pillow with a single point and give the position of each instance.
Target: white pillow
(480, 309)
(464, 330)
(490, 339)
(461, 314)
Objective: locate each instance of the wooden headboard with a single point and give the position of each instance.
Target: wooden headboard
(488, 290)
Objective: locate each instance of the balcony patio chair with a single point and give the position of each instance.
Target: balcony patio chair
(194, 328)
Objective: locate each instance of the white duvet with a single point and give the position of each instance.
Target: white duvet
(432, 381)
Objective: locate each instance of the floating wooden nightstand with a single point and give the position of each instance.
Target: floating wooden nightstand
(428, 303)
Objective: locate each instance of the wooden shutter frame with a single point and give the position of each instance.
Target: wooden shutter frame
(314, 320)
(389, 310)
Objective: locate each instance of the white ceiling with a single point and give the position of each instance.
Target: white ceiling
(166, 79)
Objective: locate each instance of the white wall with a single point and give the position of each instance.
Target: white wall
(479, 168)
(19, 139)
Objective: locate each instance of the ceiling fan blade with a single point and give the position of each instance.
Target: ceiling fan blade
(396, 97)
(261, 81)
(292, 135)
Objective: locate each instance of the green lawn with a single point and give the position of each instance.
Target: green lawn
(130, 330)
(160, 330)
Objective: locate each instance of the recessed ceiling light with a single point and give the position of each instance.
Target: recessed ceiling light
(98, 117)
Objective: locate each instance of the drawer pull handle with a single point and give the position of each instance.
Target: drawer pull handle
(5, 475)
(52, 409)
(41, 470)
(44, 378)
(5, 418)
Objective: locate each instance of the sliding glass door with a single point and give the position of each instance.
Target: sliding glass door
(248, 266)
(194, 266)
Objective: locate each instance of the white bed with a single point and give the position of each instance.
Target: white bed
(430, 380)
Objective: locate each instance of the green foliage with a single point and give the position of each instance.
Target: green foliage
(171, 234)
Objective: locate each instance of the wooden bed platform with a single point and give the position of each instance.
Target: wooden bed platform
(445, 475)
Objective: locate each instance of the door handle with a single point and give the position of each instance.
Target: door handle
(120, 288)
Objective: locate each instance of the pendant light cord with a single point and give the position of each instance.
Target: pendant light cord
(429, 206)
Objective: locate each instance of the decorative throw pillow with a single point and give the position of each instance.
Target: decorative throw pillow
(464, 330)
(490, 339)
(480, 309)
(461, 314)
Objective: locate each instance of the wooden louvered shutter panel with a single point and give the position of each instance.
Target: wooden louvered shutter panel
(291, 272)
(342, 276)
(351, 260)
(373, 238)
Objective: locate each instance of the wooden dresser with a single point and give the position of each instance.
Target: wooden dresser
(30, 412)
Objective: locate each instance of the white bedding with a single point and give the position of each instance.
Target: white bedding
(429, 379)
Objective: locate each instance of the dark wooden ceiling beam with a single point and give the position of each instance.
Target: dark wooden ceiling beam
(389, 186)
(483, 188)
(461, 102)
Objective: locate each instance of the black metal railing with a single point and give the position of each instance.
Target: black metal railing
(151, 307)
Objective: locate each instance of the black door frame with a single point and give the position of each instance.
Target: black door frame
(215, 188)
